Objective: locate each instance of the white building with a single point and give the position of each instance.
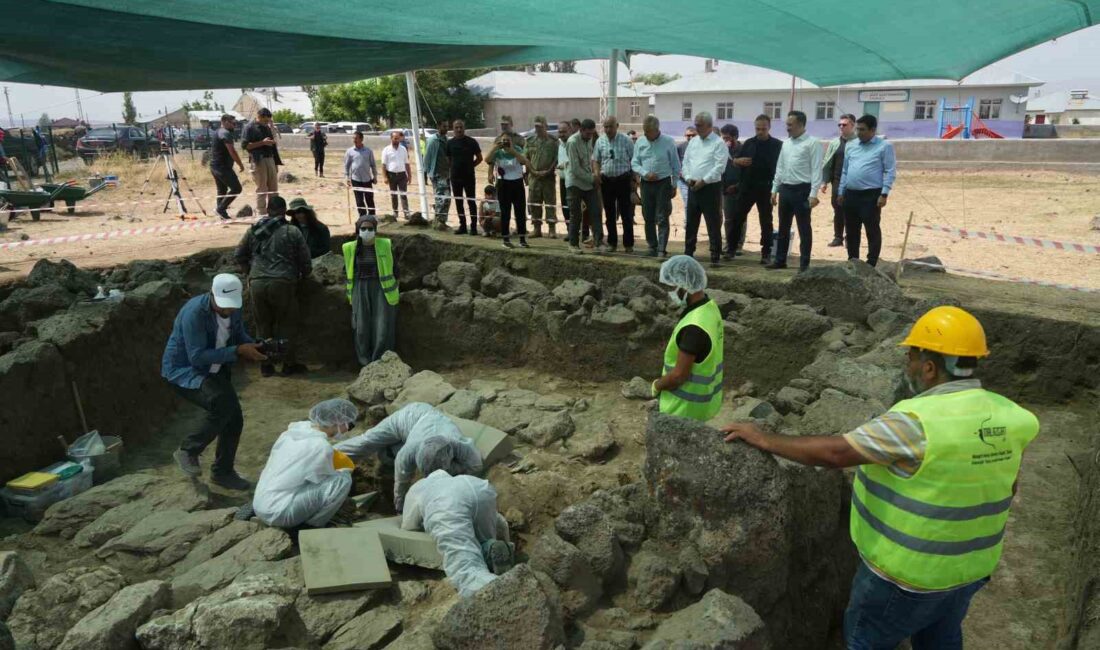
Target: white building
(1067, 107)
(555, 95)
(736, 93)
(274, 99)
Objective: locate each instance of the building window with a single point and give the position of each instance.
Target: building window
(989, 109)
(924, 109)
(774, 110)
(724, 111)
(826, 110)
(635, 109)
(685, 111)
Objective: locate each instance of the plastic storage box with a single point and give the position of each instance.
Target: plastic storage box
(75, 478)
(31, 506)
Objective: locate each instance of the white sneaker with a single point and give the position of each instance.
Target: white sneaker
(576, 250)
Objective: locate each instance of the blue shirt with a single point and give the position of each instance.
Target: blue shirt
(658, 157)
(869, 166)
(190, 350)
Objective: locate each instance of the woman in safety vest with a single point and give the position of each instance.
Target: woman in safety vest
(930, 500)
(691, 381)
(372, 290)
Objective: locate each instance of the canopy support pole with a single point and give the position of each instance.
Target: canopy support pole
(613, 85)
(414, 115)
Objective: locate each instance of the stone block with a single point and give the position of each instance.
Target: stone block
(493, 443)
(404, 546)
(343, 559)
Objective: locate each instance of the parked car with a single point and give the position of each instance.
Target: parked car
(307, 127)
(409, 134)
(352, 127)
(125, 138)
(282, 127)
(552, 129)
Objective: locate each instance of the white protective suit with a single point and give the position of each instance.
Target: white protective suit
(401, 437)
(299, 485)
(460, 513)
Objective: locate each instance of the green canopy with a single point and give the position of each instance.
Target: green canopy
(114, 45)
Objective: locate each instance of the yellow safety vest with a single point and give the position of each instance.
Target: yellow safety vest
(700, 397)
(943, 527)
(383, 253)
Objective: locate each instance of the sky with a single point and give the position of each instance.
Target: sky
(1066, 62)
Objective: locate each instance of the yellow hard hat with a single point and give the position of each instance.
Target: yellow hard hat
(950, 331)
(340, 460)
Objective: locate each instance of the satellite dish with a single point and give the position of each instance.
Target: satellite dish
(1018, 99)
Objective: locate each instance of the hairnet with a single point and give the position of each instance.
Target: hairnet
(684, 272)
(436, 452)
(333, 412)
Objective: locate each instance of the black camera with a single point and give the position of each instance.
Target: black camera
(274, 349)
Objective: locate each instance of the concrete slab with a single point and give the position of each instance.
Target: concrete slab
(343, 559)
(404, 546)
(493, 444)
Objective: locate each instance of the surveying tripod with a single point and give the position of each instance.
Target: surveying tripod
(173, 177)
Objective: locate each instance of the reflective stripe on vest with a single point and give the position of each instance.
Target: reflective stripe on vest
(700, 397)
(383, 253)
(944, 526)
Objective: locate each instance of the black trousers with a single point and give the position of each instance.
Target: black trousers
(223, 420)
(319, 162)
(512, 196)
(761, 197)
(794, 204)
(364, 201)
(564, 201)
(617, 206)
(228, 185)
(707, 203)
(583, 206)
(838, 213)
(861, 209)
(656, 209)
(466, 185)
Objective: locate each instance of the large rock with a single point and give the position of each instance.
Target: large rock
(770, 532)
(571, 293)
(499, 282)
(215, 544)
(376, 378)
(63, 274)
(425, 386)
(267, 545)
(836, 413)
(43, 616)
(15, 578)
(30, 304)
(637, 286)
(587, 527)
(368, 631)
(164, 537)
(113, 624)
(851, 291)
(547, 428)
(518, 610)
(324, 614)
(615, 318)
(464, 404)
(883, 385)
(719, 620)
(329, 269)
(790, 399)
(67, 517)
(459, 277)
(581, 589)
(177, 495)
(654, 577)
(728, 302)
(252, 614)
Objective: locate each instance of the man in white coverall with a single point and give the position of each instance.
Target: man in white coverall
(417, 437)
(300, 483)
(460, 513)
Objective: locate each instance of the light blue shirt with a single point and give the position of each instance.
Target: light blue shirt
(658, 157)
(869, 165)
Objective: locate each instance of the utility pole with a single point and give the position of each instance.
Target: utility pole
(7, 98)
(79, 106)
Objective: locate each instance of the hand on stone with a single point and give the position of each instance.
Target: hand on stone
(746, 431)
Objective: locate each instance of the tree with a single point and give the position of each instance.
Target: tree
(443, 95)
(311, 91)
(287, 116)
(44, 120)
(206, 104)
(129, 111)
(655, 78)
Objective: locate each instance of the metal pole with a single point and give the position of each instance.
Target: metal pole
(904, 245)
(7, 98)
(613, 85)
(53, 151)
(414, 115)
(792, 94)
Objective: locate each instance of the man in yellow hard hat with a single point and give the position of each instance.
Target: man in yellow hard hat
(937, 474)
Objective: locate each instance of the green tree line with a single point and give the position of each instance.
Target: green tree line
(383, 100)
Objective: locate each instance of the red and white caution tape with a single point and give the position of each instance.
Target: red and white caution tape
(1048, 244)
(1006, 278)
(115, 234)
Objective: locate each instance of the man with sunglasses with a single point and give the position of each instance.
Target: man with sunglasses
(832, 169)
(372, 290)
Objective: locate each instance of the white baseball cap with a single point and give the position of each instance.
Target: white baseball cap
(227, 290)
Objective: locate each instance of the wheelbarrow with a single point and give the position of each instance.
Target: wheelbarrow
(70, 194)
(19, 199)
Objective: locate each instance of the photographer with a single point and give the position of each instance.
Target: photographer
(208, 337)
(275, 257)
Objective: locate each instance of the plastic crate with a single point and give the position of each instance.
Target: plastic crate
(31, 507)
(75, 484)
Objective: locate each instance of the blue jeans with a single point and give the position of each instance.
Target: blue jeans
(881, 615)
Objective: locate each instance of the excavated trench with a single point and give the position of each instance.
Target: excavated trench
(627, 518)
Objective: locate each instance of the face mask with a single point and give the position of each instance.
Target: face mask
(367, 236)
(677, 300)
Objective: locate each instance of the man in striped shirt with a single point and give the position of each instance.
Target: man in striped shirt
(611, 158)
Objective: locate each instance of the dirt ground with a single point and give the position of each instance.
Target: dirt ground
(1055, 205)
